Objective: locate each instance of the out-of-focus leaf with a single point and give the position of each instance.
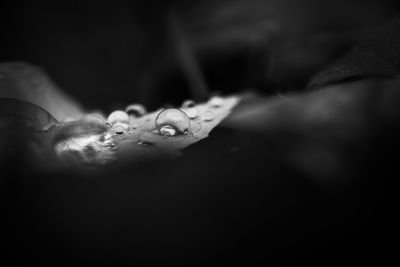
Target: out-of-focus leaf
(29, 83)
(24, 114)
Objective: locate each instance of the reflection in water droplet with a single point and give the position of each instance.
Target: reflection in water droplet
(135, 110)
(173, 118)
(208, 116)
(188, 104)
(119, 128)
(168, 130)
(216, 102)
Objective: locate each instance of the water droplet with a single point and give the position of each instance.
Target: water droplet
(196, 126)
(208, 116)
(119, 121)
(191, 113)
(216, 102)
(174, 118)
(118, 116)
(135, 110)
(188, 104)
(1, 76)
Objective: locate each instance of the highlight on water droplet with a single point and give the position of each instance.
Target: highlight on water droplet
(136, 110)
(208, 116)
(173, 118)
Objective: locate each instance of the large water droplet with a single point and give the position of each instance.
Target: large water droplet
(173, 118)
(208, 116)
(119, 121)
(135, 110)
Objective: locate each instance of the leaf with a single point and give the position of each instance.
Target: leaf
(82, 140)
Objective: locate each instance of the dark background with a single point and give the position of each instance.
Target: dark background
(211, 206)
(108, 54)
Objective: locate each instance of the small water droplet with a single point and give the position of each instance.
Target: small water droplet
(173, 118)
(208, 116)
(119, 128)
(118, 116)
(135, 110)
(69, 119)
(216, 102)
(1, 76)
(119, 121)
(188, 104)
(196, 127)
(191, 113)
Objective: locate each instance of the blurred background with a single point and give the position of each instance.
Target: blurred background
(311, 178)
(107, 54)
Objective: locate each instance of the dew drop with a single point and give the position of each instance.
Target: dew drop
(208, 116)
(135, 110)
(119, 121)
(173, 118)
(118, 116)
(196, 127)
(191, 113)
(188, 104)
(216, 102)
